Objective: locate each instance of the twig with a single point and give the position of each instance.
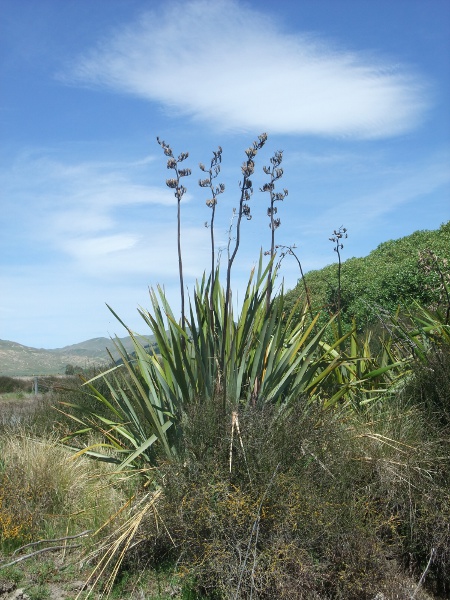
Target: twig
(49, 549)
(324, 467)
(290, 250)
(235, 424)
(254, 559)
(69, 537)
(424, 574)
(255, 528)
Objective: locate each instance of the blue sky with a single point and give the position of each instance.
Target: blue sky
(355, 92)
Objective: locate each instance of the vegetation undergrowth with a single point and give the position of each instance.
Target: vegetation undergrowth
(396, 272)
(319, 504)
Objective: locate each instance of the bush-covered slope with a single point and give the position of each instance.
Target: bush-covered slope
(389, 275)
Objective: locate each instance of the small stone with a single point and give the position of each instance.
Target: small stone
(76, 585)
(18, 594)
(6, 587)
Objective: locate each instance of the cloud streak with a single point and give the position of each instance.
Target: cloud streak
(232, 67)
(97, 220)
(412, 185)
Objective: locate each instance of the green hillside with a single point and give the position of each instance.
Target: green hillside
(389, 275)
(17, 360)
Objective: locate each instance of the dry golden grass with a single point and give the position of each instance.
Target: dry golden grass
(45, 492)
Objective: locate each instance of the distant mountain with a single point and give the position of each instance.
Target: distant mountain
(19, 360)
(95, 348)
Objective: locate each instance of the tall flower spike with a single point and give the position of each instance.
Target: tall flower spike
(211, 203)
(244, 210)
(336, 238)
(179, 191)
(275, 173)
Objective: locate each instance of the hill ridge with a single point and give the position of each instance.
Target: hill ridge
(20, 360)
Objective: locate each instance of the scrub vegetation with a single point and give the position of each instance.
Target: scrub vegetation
(294, 446)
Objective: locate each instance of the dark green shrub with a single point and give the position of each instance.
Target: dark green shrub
(13, 384)
(389, 275)
(318, 505)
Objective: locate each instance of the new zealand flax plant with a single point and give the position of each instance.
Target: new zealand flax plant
(257, 356)
(272, 361)
(268, 358)
(216, 354)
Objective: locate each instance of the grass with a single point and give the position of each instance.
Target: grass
(46, 493)
(10, 385)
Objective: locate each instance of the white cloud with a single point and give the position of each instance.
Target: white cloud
(98, 221)
(100, 246)
(152, 256)
(229, 65)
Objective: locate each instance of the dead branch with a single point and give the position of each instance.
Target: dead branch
(61, 539)
(36, 552)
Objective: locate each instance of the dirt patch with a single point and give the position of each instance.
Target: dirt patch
(53, 591)
(53, 579)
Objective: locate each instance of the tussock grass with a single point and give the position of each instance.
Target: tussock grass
(46, 493)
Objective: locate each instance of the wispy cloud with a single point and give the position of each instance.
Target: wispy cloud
(408, 186)
(94, 218)
(227, 64)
